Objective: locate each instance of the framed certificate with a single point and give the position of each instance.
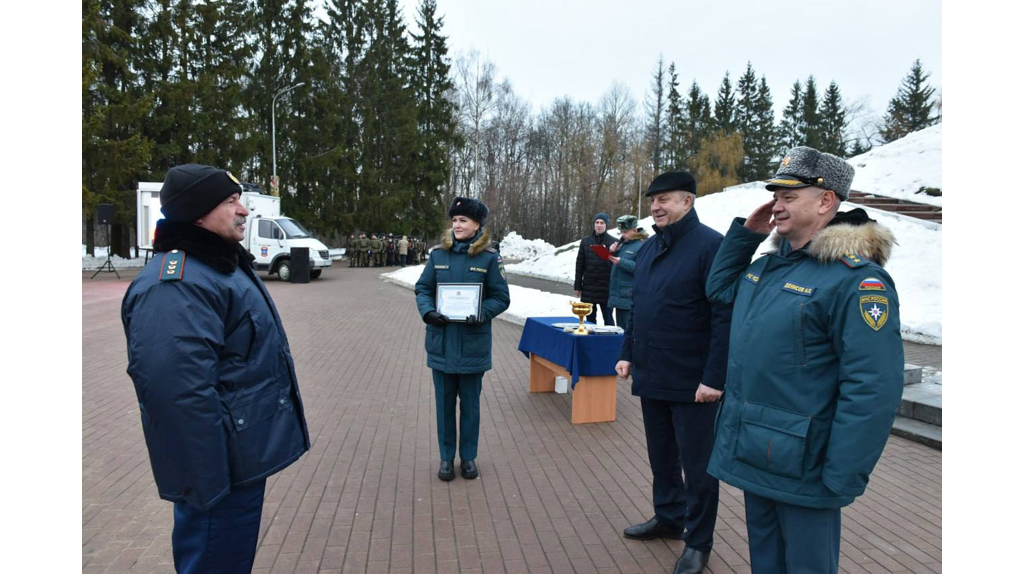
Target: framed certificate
(458, 301)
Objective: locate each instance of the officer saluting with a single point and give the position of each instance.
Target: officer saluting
(213, 373)
(815, 362)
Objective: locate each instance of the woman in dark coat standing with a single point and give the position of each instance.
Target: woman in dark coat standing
(460, 352)
(593, 274)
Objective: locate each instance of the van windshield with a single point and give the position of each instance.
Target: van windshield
(292, 229)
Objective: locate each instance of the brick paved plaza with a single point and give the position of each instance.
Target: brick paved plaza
(552, 497)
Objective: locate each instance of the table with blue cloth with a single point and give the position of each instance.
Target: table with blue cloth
(588, 361)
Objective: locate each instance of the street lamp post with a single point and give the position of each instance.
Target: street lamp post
(273, 129)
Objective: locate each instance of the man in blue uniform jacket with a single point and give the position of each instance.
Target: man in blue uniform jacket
(676, 347)
(815, 362)
(213, 373)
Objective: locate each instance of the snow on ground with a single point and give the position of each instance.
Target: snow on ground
(515, 246)
(101, 258)
(899, 169)
(525, 302)
(915, 264)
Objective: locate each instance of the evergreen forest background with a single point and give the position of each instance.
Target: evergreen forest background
(385, 126)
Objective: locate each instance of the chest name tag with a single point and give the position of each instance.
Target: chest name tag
(752, 278)
(794, 288)
(440, 267)
(478, 270)
(172, 266)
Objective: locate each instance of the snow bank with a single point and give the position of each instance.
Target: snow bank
(525, 302)
(119, 262)
(915, 264)
(515, 246)
(900, 168)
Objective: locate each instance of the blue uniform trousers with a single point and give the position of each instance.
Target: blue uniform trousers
(789, 539)
(679, 441)
(221, 540)
(466, 388)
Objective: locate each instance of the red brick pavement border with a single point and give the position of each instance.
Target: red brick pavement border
(552, 497)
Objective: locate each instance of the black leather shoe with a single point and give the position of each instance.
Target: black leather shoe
(691, 562)
(652, 529)
(469, 469)
(447, 470)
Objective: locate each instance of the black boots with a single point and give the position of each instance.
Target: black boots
(447, 470)
(651, 529)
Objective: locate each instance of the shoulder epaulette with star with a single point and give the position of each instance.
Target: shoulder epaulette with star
(173, 265)
(854, 260)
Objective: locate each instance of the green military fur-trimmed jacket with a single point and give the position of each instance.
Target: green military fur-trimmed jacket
(459, 347)
(815, 371)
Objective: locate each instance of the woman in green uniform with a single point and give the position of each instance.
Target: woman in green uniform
(459, 352)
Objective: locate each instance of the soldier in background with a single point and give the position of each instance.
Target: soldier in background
(351, 251)
(361, 246)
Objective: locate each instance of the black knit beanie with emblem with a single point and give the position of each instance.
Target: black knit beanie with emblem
(469, 207)
(191, 191)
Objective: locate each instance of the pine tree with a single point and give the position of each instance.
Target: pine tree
(762, 146)
(793, 127)
(655, 105)
(114, 108)
(725, 107)
(675, 155)
(911, 109)
(746, 117)
(833, 122)
(697, 124)
(434, 93)
(812, 120)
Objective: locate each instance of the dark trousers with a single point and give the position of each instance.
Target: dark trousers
(622, 317)
(606, 312)
(679, 441)
(466, 388)
(404, 259)
(789, 539)
(221, 540)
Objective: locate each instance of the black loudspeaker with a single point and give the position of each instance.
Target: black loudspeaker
(300, 265)
(105, 214)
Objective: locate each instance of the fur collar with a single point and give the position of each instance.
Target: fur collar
(204, 245)
(483, 241)
(857, 235)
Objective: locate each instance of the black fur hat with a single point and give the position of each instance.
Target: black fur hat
(672, 181)
(471, 208)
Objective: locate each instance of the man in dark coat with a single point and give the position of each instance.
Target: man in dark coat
(676, 346)
(594, 274)
(213, 373)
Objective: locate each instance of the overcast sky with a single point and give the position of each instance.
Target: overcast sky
(554, 48)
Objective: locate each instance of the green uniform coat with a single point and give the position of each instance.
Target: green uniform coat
(458, 347)
(815, 371)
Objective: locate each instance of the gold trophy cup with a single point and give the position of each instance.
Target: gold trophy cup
(581, 310)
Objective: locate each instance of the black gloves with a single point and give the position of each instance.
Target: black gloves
(473, 320)
(436, 319)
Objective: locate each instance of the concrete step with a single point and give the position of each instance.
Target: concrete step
(919, 432)
(922, 402)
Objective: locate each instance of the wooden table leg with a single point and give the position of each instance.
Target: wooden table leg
(593, 400)
(542, 378)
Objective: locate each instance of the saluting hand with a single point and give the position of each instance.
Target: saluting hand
(706, 394)
(761, 220)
